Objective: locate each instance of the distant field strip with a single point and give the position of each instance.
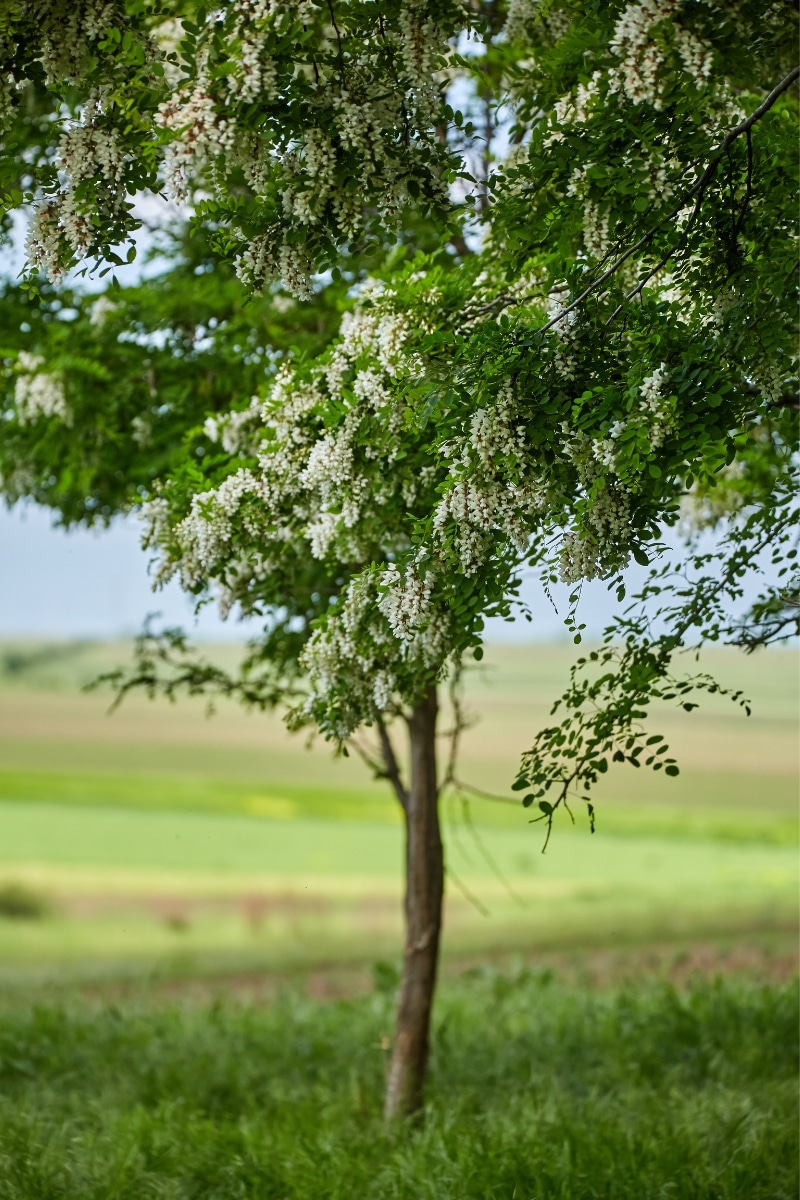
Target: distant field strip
(64, 835)
(290, 801)
(739, 776)
(134, 891)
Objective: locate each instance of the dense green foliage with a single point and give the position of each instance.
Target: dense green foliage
(142, 368)
(538, 1091)
(558, 237)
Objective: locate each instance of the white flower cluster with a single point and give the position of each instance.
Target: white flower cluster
(605, 520)
(522, 14)
(769, 380)
(8, 86)
(101, 310)
(43, 243)
(68, 29)
(350, 106)
(89, 150)
(255, 75)
(596, 220)
(697, 58)
(356, 662)
(265, 260)
(491, 490)
(662, 175)
(368, 102)
(37, 393)
(604, 450)
(637, 75)
(586, 554)
(647, 37)
(325, 485)
(654, 405)
(206, 532)
(201, 135)
(406, 603)
(311, 479)
(349, 647)
(420, 45)
(655, 410)
(236, 432)
(142, 430)
(642, 57)
(596, 230)
(575, 109)
(565, 329)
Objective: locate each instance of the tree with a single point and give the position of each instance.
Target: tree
(556, 238)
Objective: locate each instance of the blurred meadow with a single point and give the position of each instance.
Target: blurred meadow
(158, 843)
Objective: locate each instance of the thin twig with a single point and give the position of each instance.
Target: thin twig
(454, 734)
(491, 862)
(391, 764)
(374, 764)
(465, 891)
(476, 791)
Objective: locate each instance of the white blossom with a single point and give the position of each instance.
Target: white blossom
(101, 310)
(142, 430)
(38, 393)
(641, 56)
(654, 405)
(235, 431)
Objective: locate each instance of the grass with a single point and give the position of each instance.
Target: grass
(538, 1091)
(168, 889)
(159, 840)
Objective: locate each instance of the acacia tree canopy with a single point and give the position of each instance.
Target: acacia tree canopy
(621, 336)
(461, 289)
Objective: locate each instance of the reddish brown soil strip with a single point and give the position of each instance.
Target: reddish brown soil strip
(592, 968)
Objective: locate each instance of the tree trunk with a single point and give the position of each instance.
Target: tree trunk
(423, 911)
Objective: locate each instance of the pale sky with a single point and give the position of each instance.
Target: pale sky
(95, 584)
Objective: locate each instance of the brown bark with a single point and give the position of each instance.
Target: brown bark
(423, 911)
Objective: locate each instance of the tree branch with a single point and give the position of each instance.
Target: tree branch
(390, 762)
(698, 188)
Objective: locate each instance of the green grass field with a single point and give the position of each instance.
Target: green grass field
(538, 1091)
(200, 934)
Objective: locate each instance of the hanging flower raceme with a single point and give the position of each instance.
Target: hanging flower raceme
(305, 125)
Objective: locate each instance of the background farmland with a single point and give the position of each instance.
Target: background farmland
(159, 843)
